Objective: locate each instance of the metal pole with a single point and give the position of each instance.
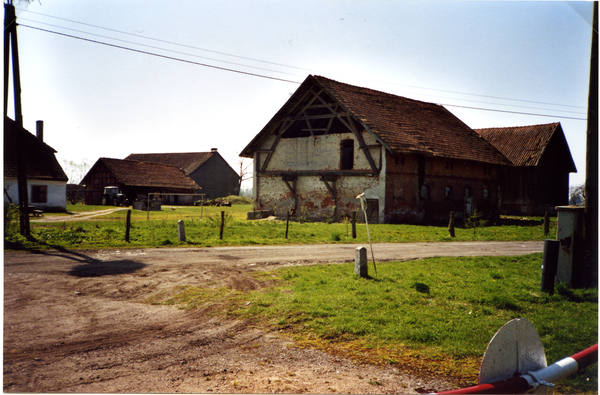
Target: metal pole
(361, 197)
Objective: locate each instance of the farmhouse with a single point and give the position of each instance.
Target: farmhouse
(208, 169)
(46, 180)
(415, 161)
(539, 178)
(137, 179)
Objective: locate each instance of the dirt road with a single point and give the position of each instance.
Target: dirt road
(83, 216)
(76, 322)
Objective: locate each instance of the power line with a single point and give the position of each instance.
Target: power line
(267, 77)
(159, 48)
(514, 112)
(283, 65)
(161, 56)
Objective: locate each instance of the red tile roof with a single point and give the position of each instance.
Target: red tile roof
(40, 159)
(188, 161)
(403, 125)
(522, 145)
(134, 173)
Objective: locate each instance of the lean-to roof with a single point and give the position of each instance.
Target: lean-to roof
(188, 161)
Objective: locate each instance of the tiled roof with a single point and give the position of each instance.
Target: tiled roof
(134, 173)
(188, 161)
(40, 161)
(522, 145)
(403, 125)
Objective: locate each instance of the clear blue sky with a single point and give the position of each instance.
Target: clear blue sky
(102, 101)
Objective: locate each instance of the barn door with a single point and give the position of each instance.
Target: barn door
(373, 211)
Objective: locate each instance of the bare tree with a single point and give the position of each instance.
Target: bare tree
(245, 171)
(75, 170)
(577, 195)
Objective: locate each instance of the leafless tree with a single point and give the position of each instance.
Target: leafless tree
(245, 172)
(577, 195)
(75, 170)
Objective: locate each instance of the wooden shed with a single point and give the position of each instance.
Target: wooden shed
(138, 179)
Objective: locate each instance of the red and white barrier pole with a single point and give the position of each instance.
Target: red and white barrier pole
(551, 374)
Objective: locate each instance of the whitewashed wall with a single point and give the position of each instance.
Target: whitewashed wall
(57, 193)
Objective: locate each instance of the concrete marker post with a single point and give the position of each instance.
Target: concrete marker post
(181, 231)
(360, 262)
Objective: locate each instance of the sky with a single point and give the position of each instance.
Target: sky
(110, 78)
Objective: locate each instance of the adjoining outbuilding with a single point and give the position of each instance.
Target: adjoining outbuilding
(538, 181)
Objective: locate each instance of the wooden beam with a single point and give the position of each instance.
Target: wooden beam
(332, 191)
(317, 173)
(284, 126)
(361, 144)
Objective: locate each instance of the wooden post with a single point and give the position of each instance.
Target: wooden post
(354, 224)
(222, 224)
(127, 225)
(546, 224)
(451, 225)
(287, 223)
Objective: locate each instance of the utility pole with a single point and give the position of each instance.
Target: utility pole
(591, 167)
(11, 48)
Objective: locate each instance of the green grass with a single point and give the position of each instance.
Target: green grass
(434, 315)
(202, 229)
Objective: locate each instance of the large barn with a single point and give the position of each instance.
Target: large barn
(414, 161)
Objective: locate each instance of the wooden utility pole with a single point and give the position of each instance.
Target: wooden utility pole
(11, 48)
(591, 167)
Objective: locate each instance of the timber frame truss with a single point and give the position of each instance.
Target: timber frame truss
(319, 114)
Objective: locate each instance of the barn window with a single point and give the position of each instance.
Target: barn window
(449, 193)
(425, 192)
(347, 160)
(39, 194)
(468, 192)
(486, 193)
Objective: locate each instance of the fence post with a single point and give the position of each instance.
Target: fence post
(287, 223)
(181, 231)
(451, 225)
(127, 225)
(546, 224)
(222, 224)
(360, 262)
(549, 265)
(354, 224)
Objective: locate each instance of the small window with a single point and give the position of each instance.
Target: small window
(450, 165)
(396, 161)
(425, 192)
(347, 160)
(449, 193)
(468, 192)
(486, 193)
(39, 194)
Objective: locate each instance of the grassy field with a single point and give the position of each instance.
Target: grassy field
(433, 316)
(202, 225)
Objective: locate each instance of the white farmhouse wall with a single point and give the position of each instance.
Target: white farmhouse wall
(57, 193)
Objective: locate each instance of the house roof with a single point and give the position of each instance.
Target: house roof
(402, 125)
(145, 174)
(188, 161)
(40, 161)
(525, 145)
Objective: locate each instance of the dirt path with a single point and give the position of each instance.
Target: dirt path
(74, 322)
(84, 216)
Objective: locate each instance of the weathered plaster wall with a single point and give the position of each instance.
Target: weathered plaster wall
(320, 153)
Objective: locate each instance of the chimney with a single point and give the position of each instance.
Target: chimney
(213, 150)
(39, 130)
